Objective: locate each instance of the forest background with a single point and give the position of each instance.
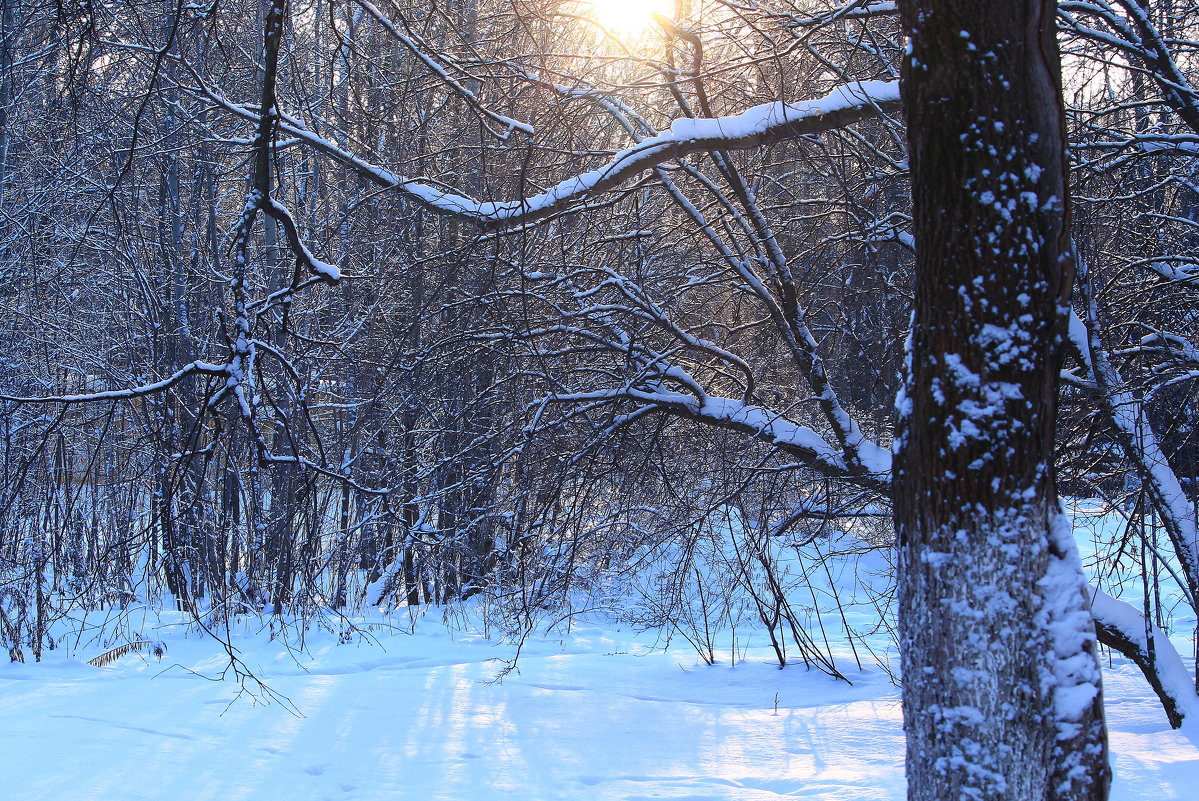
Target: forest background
(509, 299)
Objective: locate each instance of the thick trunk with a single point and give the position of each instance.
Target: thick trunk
(1001, 687)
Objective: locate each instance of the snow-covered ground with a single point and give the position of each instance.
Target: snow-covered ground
(411, 709)
(597, 713)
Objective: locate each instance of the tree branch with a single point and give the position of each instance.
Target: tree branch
(758, 126)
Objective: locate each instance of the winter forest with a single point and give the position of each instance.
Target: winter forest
(599, 399)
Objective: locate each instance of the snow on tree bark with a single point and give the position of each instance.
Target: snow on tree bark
(1002, 694)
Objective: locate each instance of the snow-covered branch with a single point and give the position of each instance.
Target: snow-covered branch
(433, 61)
(1131, 32)
(1136, 436)
(1123, 628)
(758, 126)
(764, 425)
(196, 367)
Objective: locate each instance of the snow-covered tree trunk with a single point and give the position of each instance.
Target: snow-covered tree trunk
(1002, 694)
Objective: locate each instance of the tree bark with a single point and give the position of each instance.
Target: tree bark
(1002, 694)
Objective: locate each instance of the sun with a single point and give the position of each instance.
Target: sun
(629, 17)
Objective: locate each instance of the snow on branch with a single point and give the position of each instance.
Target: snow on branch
(1136, 436)
(758, 126)
(425, 55)
(1176, 269)
(1123, 628)
(323, 270)
(128, 392)
(855, 9)
(764, 425)
(1133, 33)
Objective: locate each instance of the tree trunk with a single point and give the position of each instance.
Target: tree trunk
(1002, 694)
